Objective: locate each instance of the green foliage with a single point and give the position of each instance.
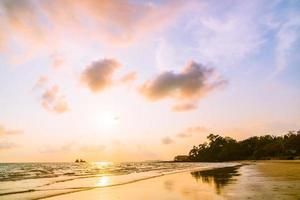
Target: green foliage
(263, 147)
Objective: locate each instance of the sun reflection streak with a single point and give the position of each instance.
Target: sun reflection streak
(103, 164)
(103, 181)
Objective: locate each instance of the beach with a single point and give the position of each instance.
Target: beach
(157, 180)
(27, 181)
(149, 99)
(252, 180)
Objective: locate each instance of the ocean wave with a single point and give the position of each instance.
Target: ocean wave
(83, 178)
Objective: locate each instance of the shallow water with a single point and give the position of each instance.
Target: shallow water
(38, 180)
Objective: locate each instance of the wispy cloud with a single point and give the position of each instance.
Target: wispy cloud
(53, 101)
(181, 107)
(186, 133)
(40, 83)
(227, 33)
(190, 131)
(191, 84)
(7, 145)
(93, 148)
(57, 61)
(129, 77)
(6, 132)
(57, 149)
(287, 37)
(167, 140)
(36, 23)
(50, 97)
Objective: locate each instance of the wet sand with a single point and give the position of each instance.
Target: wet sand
(254, 180)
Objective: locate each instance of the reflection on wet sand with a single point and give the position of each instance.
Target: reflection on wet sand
(254, 180)
(103, 181)
(217, 177)
(169, 185)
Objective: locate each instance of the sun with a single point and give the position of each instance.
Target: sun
(106, 120)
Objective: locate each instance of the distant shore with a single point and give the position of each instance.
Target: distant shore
(247, 160)
(248, 179)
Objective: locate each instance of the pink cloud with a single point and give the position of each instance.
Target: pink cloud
(6, 132)
(167, 140)
(190, 131)
(181, 107)
(110, 21)
(98, 75)
(41, 82)
(129, 77)
(191, 84)
(52, 101)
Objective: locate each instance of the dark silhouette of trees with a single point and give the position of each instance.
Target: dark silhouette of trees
(221, 148)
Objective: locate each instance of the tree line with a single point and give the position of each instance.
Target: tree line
(220, 148)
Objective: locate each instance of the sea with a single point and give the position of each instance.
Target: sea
(42, 180)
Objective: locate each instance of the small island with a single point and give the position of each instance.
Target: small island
(79, 161)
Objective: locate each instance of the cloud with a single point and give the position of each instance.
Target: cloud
(226, 34)
(135, 18)
(52, 101)
(98, 75)
(20, 18)
(40, 83)
(167, 140)
(184, 107)
(191, 84)
(129, 77)
(58, 149)
(190, 131)
(93, 148)
(36, 23)
(51, 98)
(2, 41)
(57, 61)
(7, 145)
(287, 37)
(143, 151)
(186, 133)
(5, 132)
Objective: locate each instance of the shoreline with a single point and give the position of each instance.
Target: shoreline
(215, 178)
(244, 180)
(42, 188)
(143, 179)
(157, 161)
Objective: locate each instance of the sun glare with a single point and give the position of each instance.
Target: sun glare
(103, 164)
(103, 181)
(106, 121)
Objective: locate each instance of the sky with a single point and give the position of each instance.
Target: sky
(129, 80)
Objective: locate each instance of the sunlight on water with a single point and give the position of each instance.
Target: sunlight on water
(102, 164)
(38, 179)
(103, 181)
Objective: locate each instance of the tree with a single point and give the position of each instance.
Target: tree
(221, 148)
